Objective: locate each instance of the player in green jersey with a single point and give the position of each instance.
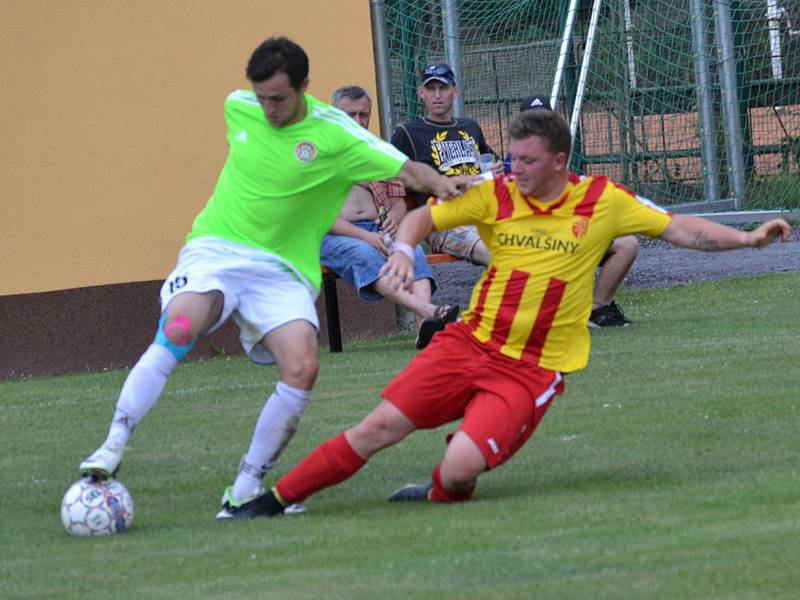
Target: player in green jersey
(253, 253)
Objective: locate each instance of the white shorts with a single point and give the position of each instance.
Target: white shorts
(261, 292)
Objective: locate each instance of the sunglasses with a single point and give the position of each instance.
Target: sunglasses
(438, 70)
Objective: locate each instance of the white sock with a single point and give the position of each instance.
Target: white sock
(140, 392)
(275, 427)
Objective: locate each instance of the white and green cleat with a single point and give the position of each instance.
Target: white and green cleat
(103, 463)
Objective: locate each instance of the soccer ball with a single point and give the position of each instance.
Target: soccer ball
(94, 507)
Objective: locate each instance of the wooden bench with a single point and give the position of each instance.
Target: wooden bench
(332, 299)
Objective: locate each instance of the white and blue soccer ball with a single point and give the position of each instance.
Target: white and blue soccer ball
(92, 507)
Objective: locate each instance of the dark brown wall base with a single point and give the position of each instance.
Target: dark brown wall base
(108, 327)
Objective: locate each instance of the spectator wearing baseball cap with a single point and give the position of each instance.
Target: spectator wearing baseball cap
(451, 146)
(440, 72)
(535, 101)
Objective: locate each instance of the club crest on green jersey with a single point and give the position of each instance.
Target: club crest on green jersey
(305, 152)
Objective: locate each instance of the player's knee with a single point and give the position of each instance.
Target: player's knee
(479, 255)
(628, 245)
(463, 463)
(179, 330)
(460, 475)
(378, 430)
(176, 335)
(301, 372)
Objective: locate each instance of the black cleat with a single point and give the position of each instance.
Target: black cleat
(610, 315)
(411, 492)
(264, 505)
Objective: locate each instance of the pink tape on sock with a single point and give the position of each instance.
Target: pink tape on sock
(183, 323)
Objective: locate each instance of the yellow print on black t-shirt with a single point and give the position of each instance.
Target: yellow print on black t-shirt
(455, 157)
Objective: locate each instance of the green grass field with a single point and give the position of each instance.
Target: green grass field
(669, 469)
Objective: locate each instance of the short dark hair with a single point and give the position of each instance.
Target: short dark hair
(354, 92)
(548, 125)
(278, 55)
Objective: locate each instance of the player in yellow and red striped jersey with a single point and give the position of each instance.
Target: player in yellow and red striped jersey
(533, 301)
(501, 367)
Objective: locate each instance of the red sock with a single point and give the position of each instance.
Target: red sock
(331, 463)
(439, 494)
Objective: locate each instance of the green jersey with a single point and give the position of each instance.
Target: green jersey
(282, 188)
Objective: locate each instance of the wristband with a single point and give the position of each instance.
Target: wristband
(402, 249)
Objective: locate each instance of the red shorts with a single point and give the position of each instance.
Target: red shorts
(501, 399)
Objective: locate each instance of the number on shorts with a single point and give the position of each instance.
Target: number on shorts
(177, 284)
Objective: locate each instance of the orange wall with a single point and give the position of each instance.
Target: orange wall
(112, 126)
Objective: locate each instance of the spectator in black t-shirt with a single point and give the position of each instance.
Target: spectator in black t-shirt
(451, 146)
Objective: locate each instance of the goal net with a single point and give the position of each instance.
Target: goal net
(685, 101)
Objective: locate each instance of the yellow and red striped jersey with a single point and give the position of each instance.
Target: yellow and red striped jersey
(534, 299)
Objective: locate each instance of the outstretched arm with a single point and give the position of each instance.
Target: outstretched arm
(424, 178)
(701, 234)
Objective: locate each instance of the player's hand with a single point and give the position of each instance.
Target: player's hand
(390, 225)
(450, 187)
(398, 272)
(769, 232)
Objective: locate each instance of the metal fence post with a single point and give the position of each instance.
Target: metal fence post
(730, 98)
(383, 67)
(584, 73)
(453, 51)
(564, 52)
(705, 113)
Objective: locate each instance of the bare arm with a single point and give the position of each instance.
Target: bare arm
(399, 268)
(701, 234)
(423, 178)
(416, 226)
(346, 228)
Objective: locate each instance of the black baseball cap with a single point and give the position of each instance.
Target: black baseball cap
(534, 102)
(439, 72)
